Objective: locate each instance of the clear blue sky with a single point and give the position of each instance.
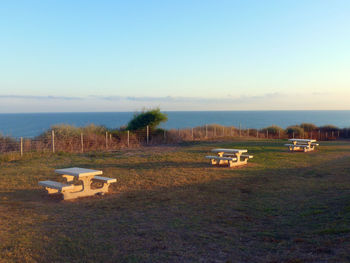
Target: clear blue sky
(179, 55)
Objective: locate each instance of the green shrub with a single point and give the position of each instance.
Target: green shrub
(151, 118)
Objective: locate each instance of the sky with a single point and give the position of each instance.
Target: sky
(83, 56)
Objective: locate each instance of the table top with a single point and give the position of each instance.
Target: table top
(78, 172)
(229, 150)
(302, 140)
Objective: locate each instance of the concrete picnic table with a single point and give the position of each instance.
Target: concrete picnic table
(85, 176)
(304, 145)
(233, 157)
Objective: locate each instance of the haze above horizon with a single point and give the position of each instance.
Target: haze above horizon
(86, 56)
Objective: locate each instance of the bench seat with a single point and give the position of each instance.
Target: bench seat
(297, 145)
(221, 158)
(247, 156)
(56, 185)
(302, 147)
(104, 179)
(244, 156)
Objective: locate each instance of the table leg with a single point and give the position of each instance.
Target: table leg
(85, 189)
(221, 154)
(239, 161)
(238, 156)
(311, 147)
(87, 180)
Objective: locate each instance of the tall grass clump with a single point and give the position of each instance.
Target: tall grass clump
(295, 130)
(329, 128)
(309, 127)
(217, 130)
(70, 138)
(8, 144)
(274, 130)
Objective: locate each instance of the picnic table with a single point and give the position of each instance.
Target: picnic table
(79, 183)
(231, 157)
(304, 145)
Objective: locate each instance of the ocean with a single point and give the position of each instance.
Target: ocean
(33, 124)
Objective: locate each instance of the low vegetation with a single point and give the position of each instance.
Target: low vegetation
(6, 144)
(68, 138)
(151, 118)
(308, 127)
(295, 131)
(170, 205)
(274, 130)
(329, 128)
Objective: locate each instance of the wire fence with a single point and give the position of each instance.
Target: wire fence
(56, 142)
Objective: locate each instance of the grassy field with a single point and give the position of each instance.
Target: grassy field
(170, 205)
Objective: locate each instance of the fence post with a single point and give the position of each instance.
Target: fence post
(311, 135)
(338, 134)
(147, 129)
(106, 140)
(53, 141)
(82, 142)
(128, 138)
(231, 132)
(257, 133)
(206, 131)
(240, 130)
(319, 135)
(164, 135)
(279, 134)
(248, 132)
(214, 131)
(192, 134)
(293, 134)
(267, 133)
(21, 146)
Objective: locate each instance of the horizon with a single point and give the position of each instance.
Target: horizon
(116, 56)
(138, 111)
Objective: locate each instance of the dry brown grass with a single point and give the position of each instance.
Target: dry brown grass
(170, 205)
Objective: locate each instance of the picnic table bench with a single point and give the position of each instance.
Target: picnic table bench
(304, 145)
(231, 157)
(85, 178)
